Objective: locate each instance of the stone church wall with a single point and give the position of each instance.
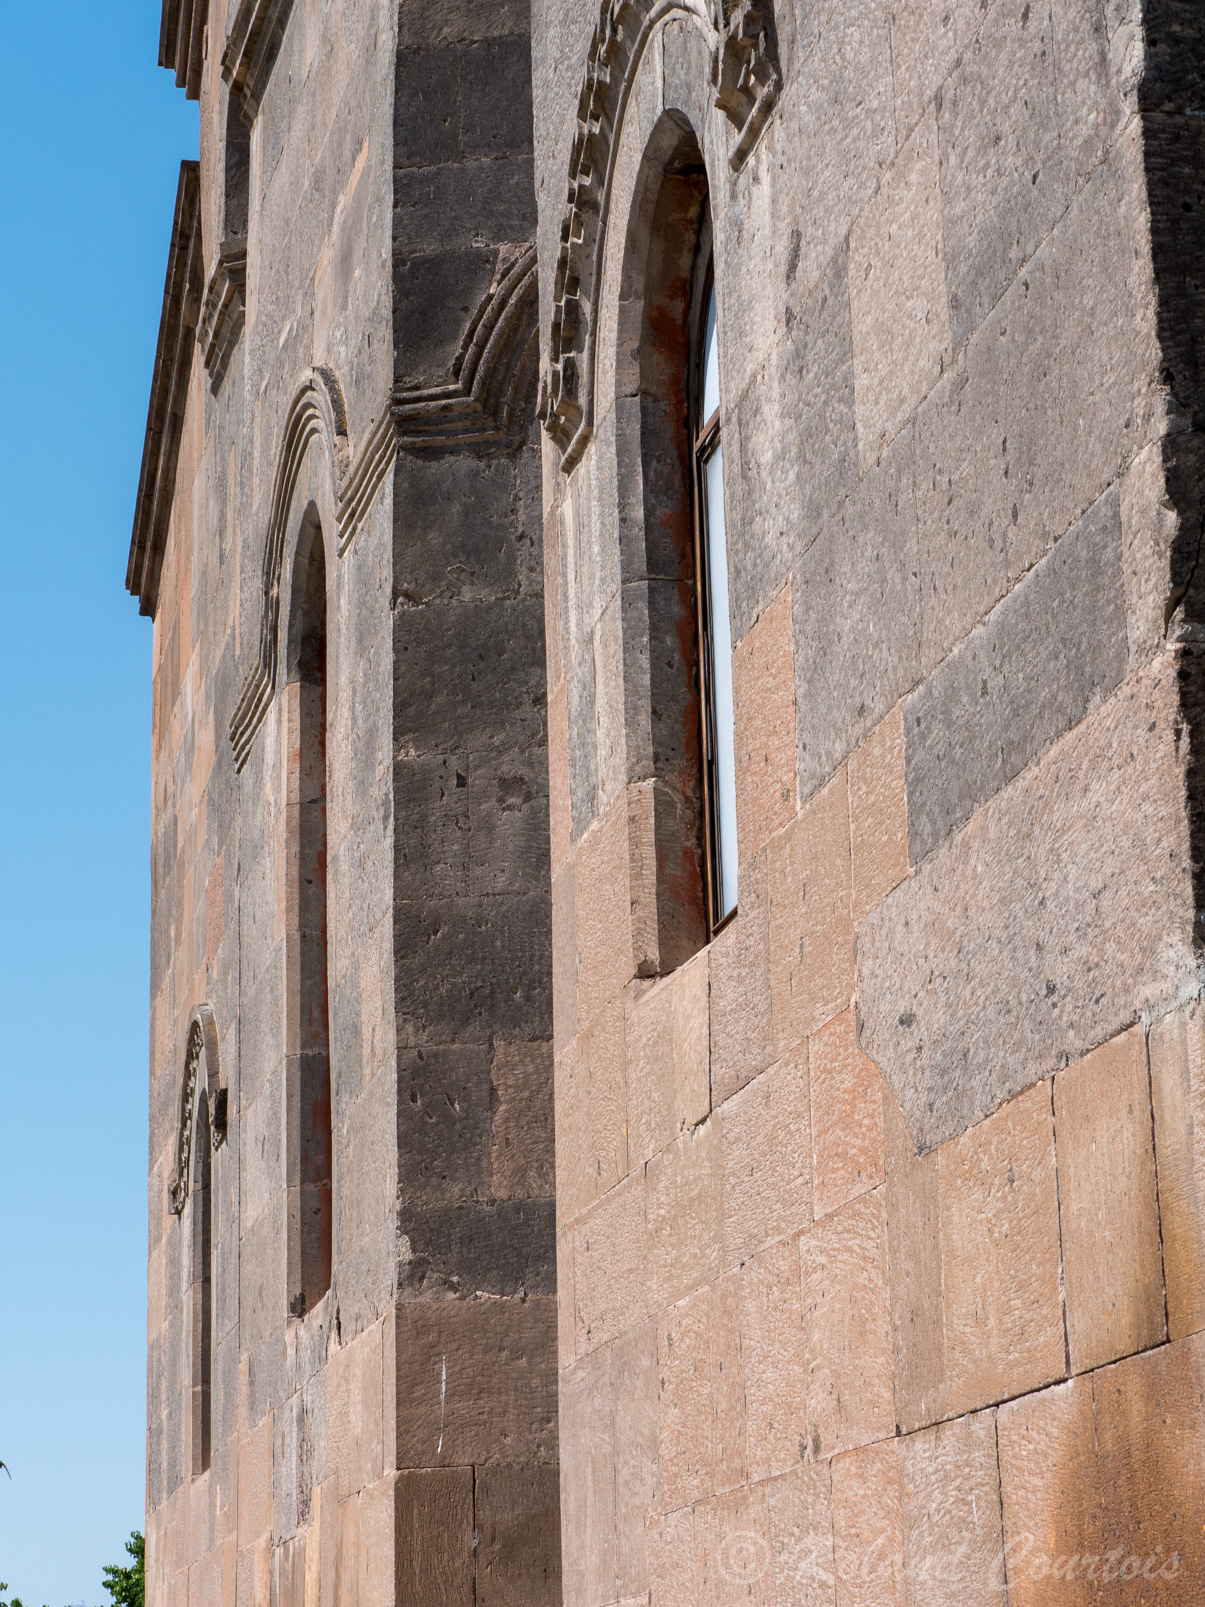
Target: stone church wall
(879, 1224)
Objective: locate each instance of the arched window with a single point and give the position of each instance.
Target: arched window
(711, 592)
(202, 1288)
(310, 1202)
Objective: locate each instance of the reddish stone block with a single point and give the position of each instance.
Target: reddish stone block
(847, 1326)
(1177, 1051)
(811, 928)
(772, 1354)
(767, 1174)
(687, 1455)
(847, 1116)
(868, 1528)
(1109, 1210)
(763, 677)
(878, 814)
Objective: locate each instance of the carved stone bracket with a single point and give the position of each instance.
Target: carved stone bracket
(746, 80)
(224, 311)
(744, 70)
(251, 50)
(490, 392)
(201, 1054)
(317, 412)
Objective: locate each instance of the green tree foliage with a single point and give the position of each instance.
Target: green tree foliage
(127, 1585)
(4, 1602)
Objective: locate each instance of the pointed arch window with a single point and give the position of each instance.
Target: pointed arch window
(714, 616)
(202, 1288)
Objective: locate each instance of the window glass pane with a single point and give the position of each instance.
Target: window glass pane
(721, 680)
(711, 365)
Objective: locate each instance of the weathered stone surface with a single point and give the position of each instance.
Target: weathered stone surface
(897, 294)
(516, 1513)
(878, 815)
(846, 1092)
(848, 1328)
(953, 1535)
(856, 595)
(868, 1527)
(1062, 909)
(1177, 1059)
(763, 673)
(764, 1133)
(773, 1361)
(687, 1456)
(1108, 1205)
(1053, 649)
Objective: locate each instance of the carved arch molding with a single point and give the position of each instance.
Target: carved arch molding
(746, 78)
(200, 1058)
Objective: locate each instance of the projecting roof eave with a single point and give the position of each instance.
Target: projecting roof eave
(182, 295)
(182, 42)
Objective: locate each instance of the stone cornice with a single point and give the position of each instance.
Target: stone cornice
(182, 42)
(251, 49)
(169, 390)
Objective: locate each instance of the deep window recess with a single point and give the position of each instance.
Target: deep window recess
(202, 1289)
(715, 629)
(311, 1265)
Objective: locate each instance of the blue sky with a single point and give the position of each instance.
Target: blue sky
(92, 133)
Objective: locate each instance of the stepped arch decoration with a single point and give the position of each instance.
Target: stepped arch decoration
(317, 413)
(490, 392)
(200, 1059)
(746, 79)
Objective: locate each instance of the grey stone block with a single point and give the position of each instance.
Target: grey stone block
(443, 1125)
(1054, 648)
(499, 1247)
(1045, 926)
(855, 599)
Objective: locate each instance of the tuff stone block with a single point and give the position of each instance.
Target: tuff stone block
(729, 1424)
(878, 814)
(764, 1133)
(846, 1092)
(847, 1324)
(1000, 914)
(604, 922)
(953, 1534)
(687, 1454)
(763, 673)
(897, 293)
(772, 1358)
(742, 1033)
(1177, 1060)
(635, 1376)
(521, 1125)
(811, 931)
(588, 1480)
(684, 1213)
(1108, 1205)
(611, 1247)
(868, 1528)
(800, 1508)
(516, 1515)
(433, 1537)
(1051, 651)
(857, 606)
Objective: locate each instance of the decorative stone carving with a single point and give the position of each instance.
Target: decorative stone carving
(224, 310)
(201, 1051)
(317, 413)
(490, 391)
(169, 390)
(251, 50)
(744, 70)
(746, 78)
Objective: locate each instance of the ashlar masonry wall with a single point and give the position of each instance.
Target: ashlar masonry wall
(879, 1220)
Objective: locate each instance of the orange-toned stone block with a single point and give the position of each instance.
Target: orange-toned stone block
(878, 814)
(692, 1042)
(772, 1355)
(1051, 1490)
(763, 683)
(868, 1528)
(1000, 1255)
(727, 1383)
(566, 1301)
(733, 1563)
(683, 1186)
(610, 1273)
(1177, 1052)
(255, 1484)
(811, 929)
(603, 911)
(742, 1032)
(847, 1327)
(1112, 1263)
(650, 1057)
(914, 1259)
(671, 1554)
(800, 1508)
(636, 1382)
(767, 1174)
(591, 1113)
(953, 1539)
(687, 1454)
(847, 1116)
(1150, 1430)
